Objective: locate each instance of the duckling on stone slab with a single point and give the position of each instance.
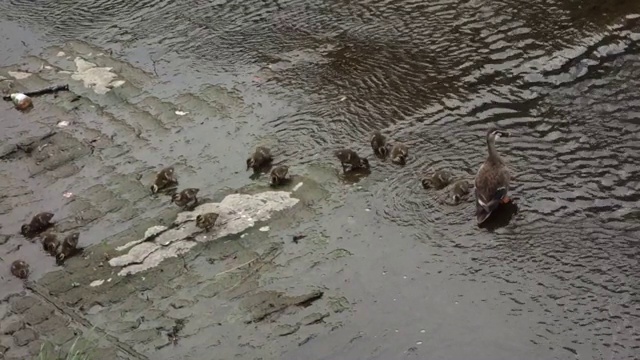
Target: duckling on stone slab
(459, 191)
(379, 144)
(350, 159)
(68, 248)
(20, 269)
(50, 244)
(492, 179)
(165, 179)
(38, 224)
(206, 221)
(438, 180)
(279, 175)
(260, 158)
(186, 198)
(399, 153)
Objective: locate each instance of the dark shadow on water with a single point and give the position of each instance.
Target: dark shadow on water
(501, 217)
(261, 170)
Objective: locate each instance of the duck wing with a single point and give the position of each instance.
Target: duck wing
(491, 186)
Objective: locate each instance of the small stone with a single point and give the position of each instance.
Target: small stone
(20, 304)
(314, 318)
(35, 346)
(24, 336)
(11, 324)
(4, 309)
(286, 329)
(37, 314)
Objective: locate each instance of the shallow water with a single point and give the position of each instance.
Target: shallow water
(307, 77)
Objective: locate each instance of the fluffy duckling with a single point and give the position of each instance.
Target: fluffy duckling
(20, 269)
(206, 221)
(439, 180)
(459, 190)
(492, 179)
(68, 248)
(165, 179)
(379, 144)
(38, 224)
(350, 159)
(260, 158)
(50, 244)
(399, 153)
(186, 198)
(279, 175)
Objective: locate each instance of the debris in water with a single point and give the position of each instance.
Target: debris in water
(343, 98)
(96, 283)
(173, 333)
(68, 194)
(298, 185)
(63, 123)
(75, 284)
(181, 113)
(367, 210)
(21, 101)
(61, 53)
(264, 228)
(419, 343)
(298, 237)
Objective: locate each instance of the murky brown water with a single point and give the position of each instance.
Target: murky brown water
(558, 281)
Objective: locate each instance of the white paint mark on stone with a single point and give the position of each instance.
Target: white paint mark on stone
(181, 113)
(148, 253)
(96, 283)
(63, 123)
(68, 194)
(19, 75)
(100, 79)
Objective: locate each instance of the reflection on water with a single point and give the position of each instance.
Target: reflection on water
(561, 76)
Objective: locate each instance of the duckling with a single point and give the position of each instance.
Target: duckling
(279, 175)
(399, 153)
(350, 159)
(38, 224)
(379, 144)
(492, 179)
(459, 190)
(165, 179)
(50, 244)
(439, 180)
(186, 198)
(206, 221)
(68, 248)
(20, 269)
(260, 158)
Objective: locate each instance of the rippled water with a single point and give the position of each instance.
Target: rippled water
(558, 281)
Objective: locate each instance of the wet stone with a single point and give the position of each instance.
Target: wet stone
(62, 335)
(286, 329)
(20, 304)
(142, 336)
(6, 341)
(314, 318)
(4, 309)
(24, 336)
(181, 303)
(35, 346)
(51, 325)
(17, 353)
(37, 314)
(11, 324)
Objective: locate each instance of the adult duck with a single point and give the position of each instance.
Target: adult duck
(492, 180)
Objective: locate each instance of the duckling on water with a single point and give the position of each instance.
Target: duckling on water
(206, 221)
(50, 244)
(350, 159)
(439, 180)
(38, 224)
(165, 179)
(459, 190)
(492, 179)
(379, 144)
(68, 248)
(20, 269)
(279, 175)
(399, 153)
(260, 158)
(186, 198)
